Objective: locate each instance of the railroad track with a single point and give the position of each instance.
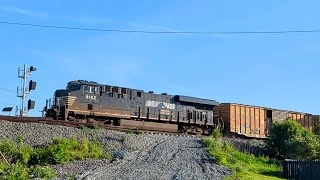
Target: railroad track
(75, 124)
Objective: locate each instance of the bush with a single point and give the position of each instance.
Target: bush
(15, 171)
(8, 148)
(19, 155)
(18, 170)
(67, 149)
(24, 153)
(26, 160)
(289, 140)
(41, 156)
(15, 151)
(43, 172)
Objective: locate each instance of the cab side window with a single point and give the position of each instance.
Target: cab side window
(90, 89)
(96, 90)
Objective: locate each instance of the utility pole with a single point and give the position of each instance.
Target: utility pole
(23, 92)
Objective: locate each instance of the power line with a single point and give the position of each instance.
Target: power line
(160, 32)
(2, 104)
(9, 90)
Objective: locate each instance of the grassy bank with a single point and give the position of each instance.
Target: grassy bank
(22, 161)
(245, 166)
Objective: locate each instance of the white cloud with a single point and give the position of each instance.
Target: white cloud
(21, 11)
(86, 20)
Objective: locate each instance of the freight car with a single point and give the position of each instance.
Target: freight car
(254, 121)
(132, 107)
(84, 100)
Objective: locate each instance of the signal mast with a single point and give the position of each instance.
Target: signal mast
(23, 92)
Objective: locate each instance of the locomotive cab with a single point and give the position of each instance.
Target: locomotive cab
(79, 98)
(63, 99)
(73, 86)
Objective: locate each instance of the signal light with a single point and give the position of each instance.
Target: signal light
(31, 104)
(33, 68)
(32, 85)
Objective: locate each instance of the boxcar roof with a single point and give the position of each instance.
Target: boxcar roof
(274, 109)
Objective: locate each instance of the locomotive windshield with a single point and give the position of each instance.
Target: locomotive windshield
(73, 86)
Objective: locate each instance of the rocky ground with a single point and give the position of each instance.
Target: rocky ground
(146, 156)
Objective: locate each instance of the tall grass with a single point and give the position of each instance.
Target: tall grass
(245, 166)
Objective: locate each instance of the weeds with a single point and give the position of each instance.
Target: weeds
(131, 131)
(124, 139)
(67, 149)
(245, 166)
(96, 127)
(27, 162)
(91, 130)
(82, 126)
(45, 172)
(107, 156)
(71, 177)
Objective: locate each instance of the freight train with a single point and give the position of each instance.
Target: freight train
(87, 100)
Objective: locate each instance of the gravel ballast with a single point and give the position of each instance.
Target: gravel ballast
(146, 156)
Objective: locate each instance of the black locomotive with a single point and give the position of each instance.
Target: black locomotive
(119, 105)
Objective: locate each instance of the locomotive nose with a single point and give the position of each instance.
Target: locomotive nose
(67, 100)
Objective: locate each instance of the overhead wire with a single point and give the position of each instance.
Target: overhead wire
(9, 90)
(3, 104)
(160, 32)
(12, 91)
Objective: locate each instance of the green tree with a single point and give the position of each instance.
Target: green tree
(289, 140)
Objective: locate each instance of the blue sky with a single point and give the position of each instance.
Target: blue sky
(273, 70)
